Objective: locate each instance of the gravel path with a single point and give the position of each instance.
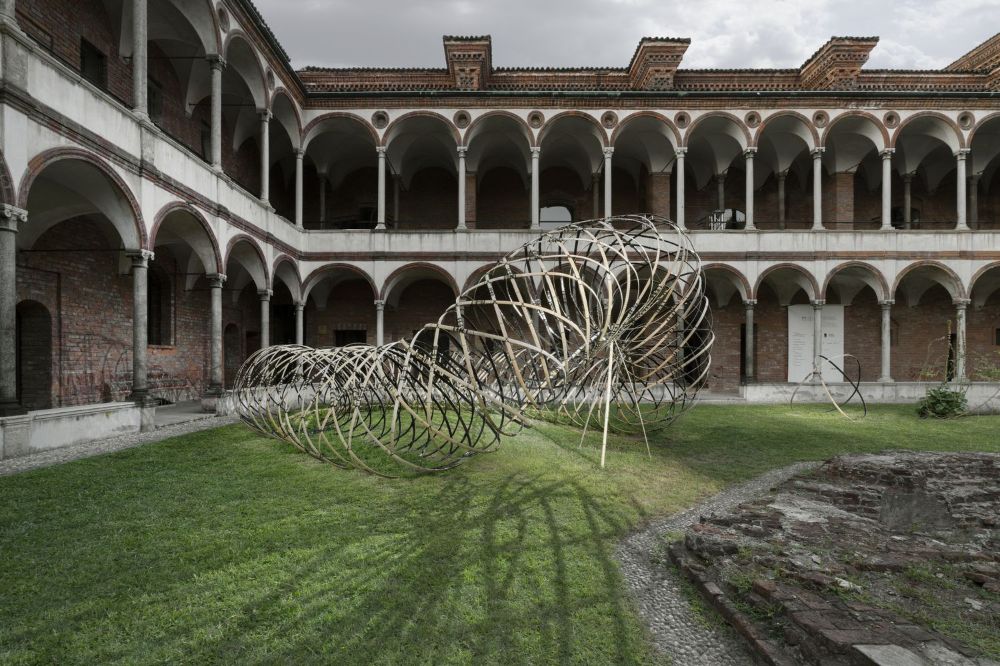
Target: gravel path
(656, 587)
(102, 446)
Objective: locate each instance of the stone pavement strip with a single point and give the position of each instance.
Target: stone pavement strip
(657, 588)
(102, 446)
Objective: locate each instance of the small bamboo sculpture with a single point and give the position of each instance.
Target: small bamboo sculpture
(608, 314)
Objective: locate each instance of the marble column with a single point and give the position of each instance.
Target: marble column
(299, 323)
(748, 343)
(782, 176)
(9, 219)
(907, 200)
(379, 323)
(886, 375)
(322, 196)
(380, 224)
(215, 283)
(720, 186)
(535, 194)
(608, 152)
(818, 335)
(462, 150)
(817, 156)
(265, 318)
(299, 159)
(265, 156)
(140, 331)
(395, 198)
(887, 189)
(961, 305)
(140, 73)
(681, 152)
(960, 200)
(595, 190)
(749, 155)
(217, 64)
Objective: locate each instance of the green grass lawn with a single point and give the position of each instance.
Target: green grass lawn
(224, 546)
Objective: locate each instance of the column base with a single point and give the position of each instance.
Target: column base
(886, 380)
(380, 226)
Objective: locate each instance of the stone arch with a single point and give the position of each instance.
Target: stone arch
(975, 294)
(601, 135)
(806, 122)
(310, 131)
(318, 274)
(736, 278)
(810, 285)
(959, 139)
(740, 125)
(953, 284)
(294, 131)
(878, 283)
(278, 273)
(985, 120)
(42, 161)
(262, 281)
(647, 114)
(175, 206)
(522, 124)
(395, 124)
(875, 122)
(423, 267)
(252, 71)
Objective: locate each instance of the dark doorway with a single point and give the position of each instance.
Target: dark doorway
(34, 356)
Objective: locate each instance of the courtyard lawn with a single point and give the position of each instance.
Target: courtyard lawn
(225, 546)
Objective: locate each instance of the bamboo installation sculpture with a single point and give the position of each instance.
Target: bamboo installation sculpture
(605, 318)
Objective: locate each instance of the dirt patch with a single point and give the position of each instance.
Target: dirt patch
(870, 559)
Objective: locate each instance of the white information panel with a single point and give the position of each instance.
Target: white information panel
(800, 341)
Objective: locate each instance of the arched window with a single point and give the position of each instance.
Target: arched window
(34, 356)
(159, 302)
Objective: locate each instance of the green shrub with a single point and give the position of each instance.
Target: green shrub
(942, 403)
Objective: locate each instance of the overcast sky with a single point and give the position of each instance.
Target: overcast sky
(915, 34)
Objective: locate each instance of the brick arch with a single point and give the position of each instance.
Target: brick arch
(199, 218)
(446, 277)
(717, 114)
(315, 122)
(771, 269)
(313, 278)
(909, 268)
(449, 125)
(744, 284)
(281, 91)
(876, 273)
(623, 125)
(980, 273)
(879, 125)
(282, 259)
(551, 122)
(980, 123)
(793, 114)
(477, 274)
(929, 114)
(236, 240)
(40, 162)
(529, 135)
(7, 194)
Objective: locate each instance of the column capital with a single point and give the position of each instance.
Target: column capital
(264, 294)
(887, 304)
(608, 152)
(782, 175)
(299, 307)
(749, 303)
(962, 153)
(961, 303)
(535, 152)
(216, 61)
(750, 152)
(887, 153)
(10, 216)
(908, 177)
(974, 177)
(817, 152)
(818, 303)
(680, 151)
(299, 154)
(140, 258)
(379, 305)
(265, 116)
(216, 280)
(381, 151)
(462, 150)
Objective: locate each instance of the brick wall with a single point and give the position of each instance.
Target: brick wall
(724, 375)
(420, 303)
(559, 186)
(502, 201)
(350, 306)
(430, 202)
